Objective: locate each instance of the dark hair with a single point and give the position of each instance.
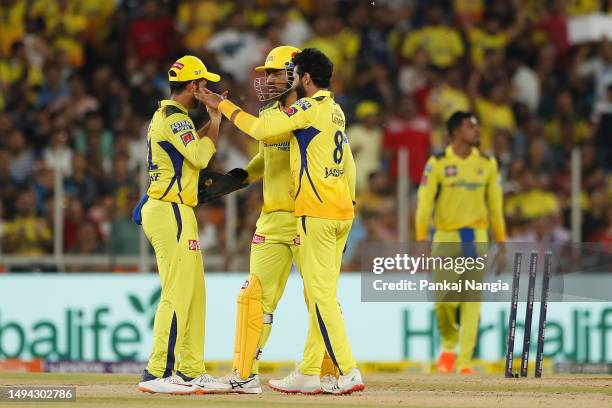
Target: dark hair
(456, 119)
(315, 63)
(178, 87)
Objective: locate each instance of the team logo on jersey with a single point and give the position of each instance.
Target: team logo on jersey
(194, 245)
(304, 104)
(177, 65)
(180, 126)
(450, 171)
(290, 111)
(187, 138)
(258, 239)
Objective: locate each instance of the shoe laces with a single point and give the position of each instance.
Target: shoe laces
(205, 378)
(328, 378)
(228, 377)
(173, 379)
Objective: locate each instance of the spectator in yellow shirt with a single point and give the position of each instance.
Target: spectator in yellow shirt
(493, 109)
(531, 201)
(442, 43)
(491, 35)
(27, 234)
(566, 127)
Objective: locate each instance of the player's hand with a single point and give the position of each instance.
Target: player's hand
(500, 262)
(209, 98)
(215, 115)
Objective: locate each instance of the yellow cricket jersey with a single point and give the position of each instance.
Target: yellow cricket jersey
(481, 40)
(176, 155)
(322, 165)
(442, 44)
(462, 193)
(272, 162)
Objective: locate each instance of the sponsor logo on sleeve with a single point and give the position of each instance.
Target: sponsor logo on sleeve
(450, 171)
(304, 104)
(258, 239)
(180, 126)
(187, 138)
(290, 111)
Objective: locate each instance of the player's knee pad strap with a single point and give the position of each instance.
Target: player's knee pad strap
(249, 325)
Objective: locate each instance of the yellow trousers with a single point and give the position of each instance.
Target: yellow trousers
(322, 243)
(273, 251)
(465, 331)
(178, 331)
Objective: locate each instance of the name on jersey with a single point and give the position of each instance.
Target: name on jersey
(187, 138)
(178, 127)
(283, 146)
(338, 118)
(333, 172)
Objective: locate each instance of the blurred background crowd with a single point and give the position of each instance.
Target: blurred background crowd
(80, 79)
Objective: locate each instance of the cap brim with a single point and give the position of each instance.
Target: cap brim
(260, 68)
(212, 77)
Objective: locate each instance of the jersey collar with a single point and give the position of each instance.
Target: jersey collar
(324, 93)
(451, 153)
(167, 102)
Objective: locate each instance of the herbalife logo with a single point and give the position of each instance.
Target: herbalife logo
(148, 308)
(100, 332)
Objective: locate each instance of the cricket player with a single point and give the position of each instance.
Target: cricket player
(273, 248)
(323, 188)
(176, 153)
(461, 187)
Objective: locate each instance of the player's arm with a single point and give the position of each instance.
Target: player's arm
(494, 202)
(180, 132)
(426, 196)
(350, 170)
(272, 125)
(255, 168)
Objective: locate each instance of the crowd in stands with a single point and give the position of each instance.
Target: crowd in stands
(80, 79)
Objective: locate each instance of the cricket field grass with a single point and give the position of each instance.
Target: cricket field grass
(406, 390)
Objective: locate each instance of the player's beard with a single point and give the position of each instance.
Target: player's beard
(300, 90)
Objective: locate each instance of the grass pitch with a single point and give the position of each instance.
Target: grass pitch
(406, 390)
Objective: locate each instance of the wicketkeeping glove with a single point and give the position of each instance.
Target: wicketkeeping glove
(213, 185)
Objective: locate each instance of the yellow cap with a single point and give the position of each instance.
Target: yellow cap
(189, 68)
(279, 58)
(366, 108)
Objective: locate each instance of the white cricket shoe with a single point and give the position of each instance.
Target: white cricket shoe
(296, 382)
(349, 383)
(328, 383)
(207, 384)
(240, 385)
(169, 385)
